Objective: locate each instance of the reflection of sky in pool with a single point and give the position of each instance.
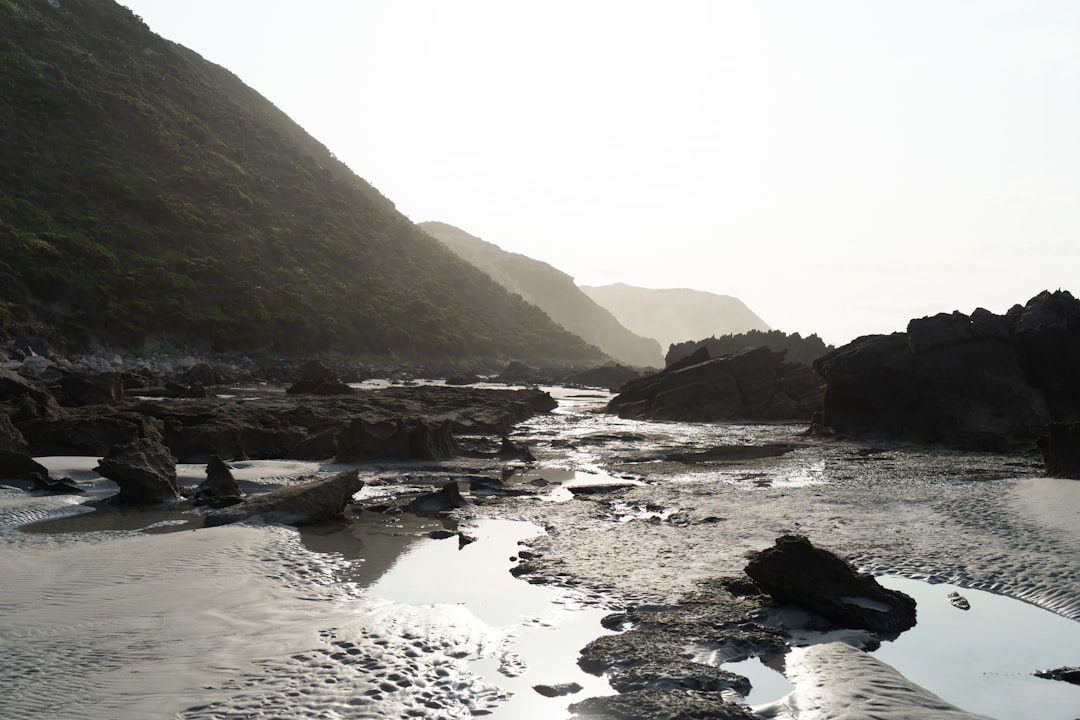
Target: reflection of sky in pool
(544, 628)
(981, 660)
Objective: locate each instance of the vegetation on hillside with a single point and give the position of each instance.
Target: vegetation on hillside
(799, 349)
(146, 194)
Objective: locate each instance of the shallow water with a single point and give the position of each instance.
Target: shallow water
(981, 659)
(103, 617)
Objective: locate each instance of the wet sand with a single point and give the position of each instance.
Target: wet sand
(135, 615)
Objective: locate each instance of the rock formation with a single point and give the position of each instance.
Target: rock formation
(401, 439)
(1060, 448)
(794, 571)
(219, 489)
(304, 504)
(145, 471)
(756, 384)
(983, 381)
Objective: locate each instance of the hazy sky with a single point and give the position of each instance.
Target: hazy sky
(841, 167)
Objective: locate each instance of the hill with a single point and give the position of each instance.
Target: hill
(554, 292)
(149, 197)
(675, 315)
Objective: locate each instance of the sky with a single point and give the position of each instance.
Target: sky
(840, 166)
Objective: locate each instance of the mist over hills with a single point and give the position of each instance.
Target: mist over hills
(675, 315)
(554, 292)
(149, 198)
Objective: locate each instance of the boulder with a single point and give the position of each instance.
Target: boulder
(145, 470)
(401, 439)
(219, 489)
(795, 572)
(57, 486)
(308, 503)
(1060, 448)
(17, 466)
(755, 384)
(101, 389)
(23, 399)
(448, 497)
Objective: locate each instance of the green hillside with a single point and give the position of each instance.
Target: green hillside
(149, 196)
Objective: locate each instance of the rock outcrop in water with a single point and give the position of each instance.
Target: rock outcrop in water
(1060, 449)
(219, 489)
(794, 571)
(144, 470)
(983, 382)
(304, 504)
(756, 384)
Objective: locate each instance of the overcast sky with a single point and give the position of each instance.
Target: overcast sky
(840, 166)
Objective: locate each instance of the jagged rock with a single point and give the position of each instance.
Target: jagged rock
(57, 486)
(983, 382)
(101, 389)
(510, 450)
(304, 504)
(414, 438)
(755, 384)
(446, 498)
(558, 690)
(794, 571)
(23, 399)
(1060, 449)
(11, 438)
(89, 430)
(16, 465)
(219, 489)
(1065, 674)
(145, 471)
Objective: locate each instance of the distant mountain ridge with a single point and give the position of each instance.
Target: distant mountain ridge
(675, 315)
(554, 292)
(149, 198)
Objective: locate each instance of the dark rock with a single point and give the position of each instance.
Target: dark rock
(958, 601)
(145, 471)
(510, 450)
(1060, 448)
(415, 438)
(732, 453)
(982, 382)
(23, 399)
(308, 503)
(446, 498)
(756, 384)
(1065, 674)
(469, 379)
(89, 430)
(558, 690)
(219, 489)
(102, 389)
(670, 704)
(320, 387)
(15, 465)
(61, 486)
(11, 438)
(794, 571)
